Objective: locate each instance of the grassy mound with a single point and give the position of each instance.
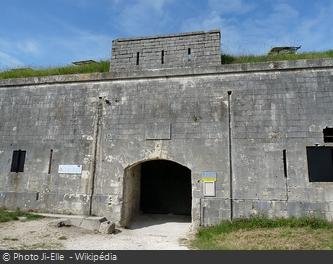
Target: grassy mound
(228, 59)
(267, 234)
(102, 66)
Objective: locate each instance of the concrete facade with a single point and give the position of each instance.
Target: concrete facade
(233, 120)
(193, 49)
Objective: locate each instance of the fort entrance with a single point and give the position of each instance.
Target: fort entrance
(156, 187)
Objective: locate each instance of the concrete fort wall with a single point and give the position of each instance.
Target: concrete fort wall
(45, 119)
(168, 51)
(109, 122)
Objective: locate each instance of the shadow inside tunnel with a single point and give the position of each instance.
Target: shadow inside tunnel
(147, 220)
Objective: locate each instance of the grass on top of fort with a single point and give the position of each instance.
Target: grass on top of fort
(101, 66)
(104, 65)
(227, 59)
(266, 234)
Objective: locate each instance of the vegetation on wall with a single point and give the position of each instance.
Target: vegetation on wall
(228, 59)
(104, 65)
(101, 66)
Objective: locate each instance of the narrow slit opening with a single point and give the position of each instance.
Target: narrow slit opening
(162, 57)
(189, 54)
(50, 161)
(285, 163)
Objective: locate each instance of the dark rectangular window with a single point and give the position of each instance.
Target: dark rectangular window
(320, 164)
(189, 54)
(285, 167)
(328, 134)
(162, 57)
(18, 161)
(50, 161)
(137, 58)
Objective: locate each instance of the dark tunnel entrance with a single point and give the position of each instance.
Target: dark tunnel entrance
(156, 187)
(165, 188)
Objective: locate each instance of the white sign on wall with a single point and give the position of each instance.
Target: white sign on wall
(208, 179)
(70, 169)
(209, 189)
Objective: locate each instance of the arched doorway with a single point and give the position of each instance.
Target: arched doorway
(156, 187)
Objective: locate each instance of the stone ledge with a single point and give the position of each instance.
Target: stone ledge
(168, 35)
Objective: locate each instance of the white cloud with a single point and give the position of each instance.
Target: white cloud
(317, 32)
(83, 46)
(256, 33)
(29, 47)
(11, 49)
(207, 23)
(8, 61)
(143, 17)
(54, 49)
(116, 2)
(157, 5)
(75, 44)
(230, 6)
(245, 27)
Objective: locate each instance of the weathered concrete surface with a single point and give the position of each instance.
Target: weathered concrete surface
(273, 106)
(167, 51)
(92, 223)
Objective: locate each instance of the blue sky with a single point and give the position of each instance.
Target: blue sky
(41, 33)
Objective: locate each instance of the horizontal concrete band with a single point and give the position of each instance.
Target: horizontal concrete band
(174, 72)
(168, 35)
(313, 205)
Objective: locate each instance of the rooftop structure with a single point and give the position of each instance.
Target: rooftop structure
(167, 51)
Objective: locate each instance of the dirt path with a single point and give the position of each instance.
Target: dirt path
(148, 232)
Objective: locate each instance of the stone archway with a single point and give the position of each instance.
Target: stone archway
(156, 187)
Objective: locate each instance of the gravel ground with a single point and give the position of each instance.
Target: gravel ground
(152, 232)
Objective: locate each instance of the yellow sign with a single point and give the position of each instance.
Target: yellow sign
(208, 179)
